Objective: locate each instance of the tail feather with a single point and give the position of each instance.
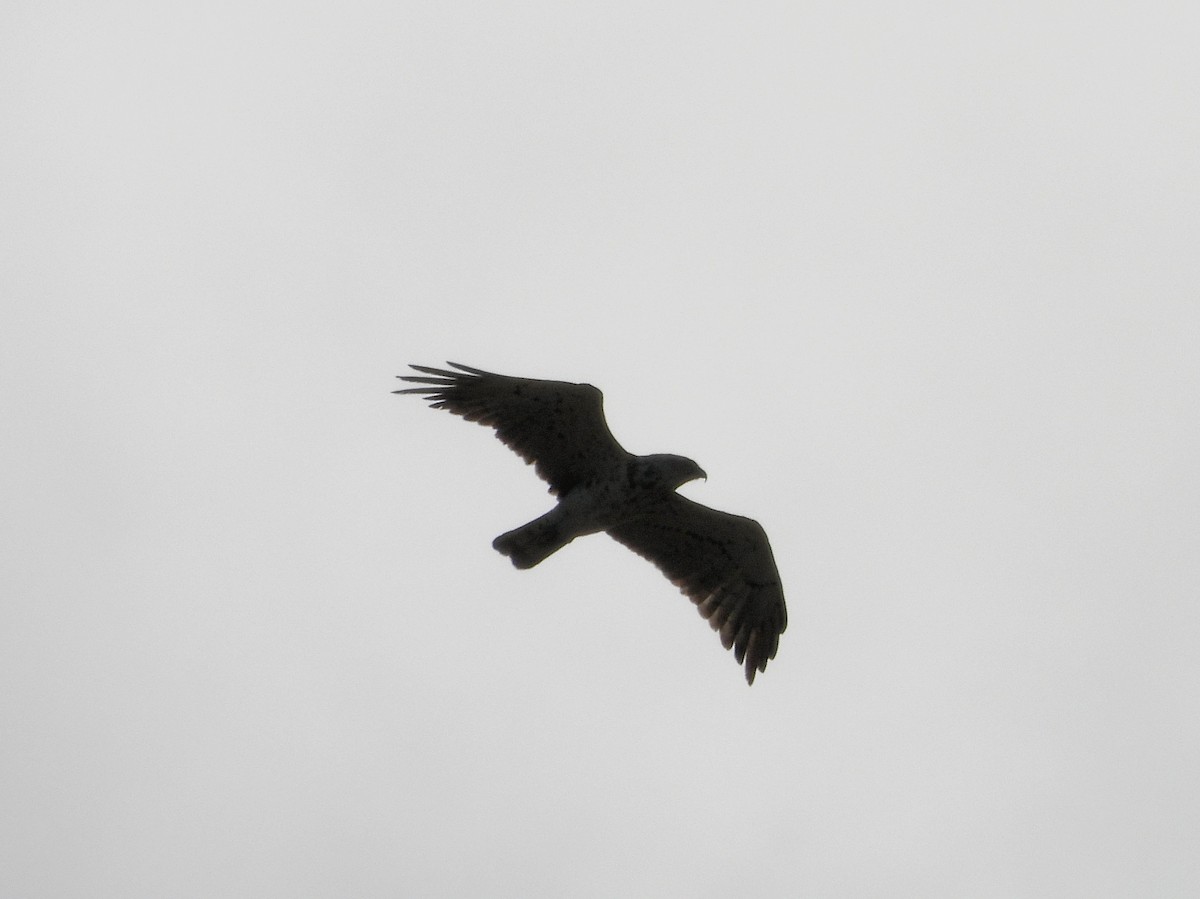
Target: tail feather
(531, 543)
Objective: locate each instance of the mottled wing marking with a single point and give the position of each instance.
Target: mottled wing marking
(556, 425)
(724, 564)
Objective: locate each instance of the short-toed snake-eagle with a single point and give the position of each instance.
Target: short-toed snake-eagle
(722, 562)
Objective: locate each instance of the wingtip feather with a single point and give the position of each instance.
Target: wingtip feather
(429, 370)
(468, 368)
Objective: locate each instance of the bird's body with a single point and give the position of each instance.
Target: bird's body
(616, 495)
(723, 562)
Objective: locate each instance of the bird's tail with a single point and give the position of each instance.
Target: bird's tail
(533, 542)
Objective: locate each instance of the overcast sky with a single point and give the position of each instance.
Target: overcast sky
(917, 284)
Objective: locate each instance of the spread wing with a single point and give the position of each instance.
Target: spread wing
(556, 425)
(724, 564)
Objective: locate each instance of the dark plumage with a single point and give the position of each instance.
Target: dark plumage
(722, 562)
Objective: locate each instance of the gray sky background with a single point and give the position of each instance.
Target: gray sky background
(918, 286)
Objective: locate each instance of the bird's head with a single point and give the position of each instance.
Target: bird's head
(674, 471)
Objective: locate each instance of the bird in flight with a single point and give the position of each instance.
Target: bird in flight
(722, 562)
